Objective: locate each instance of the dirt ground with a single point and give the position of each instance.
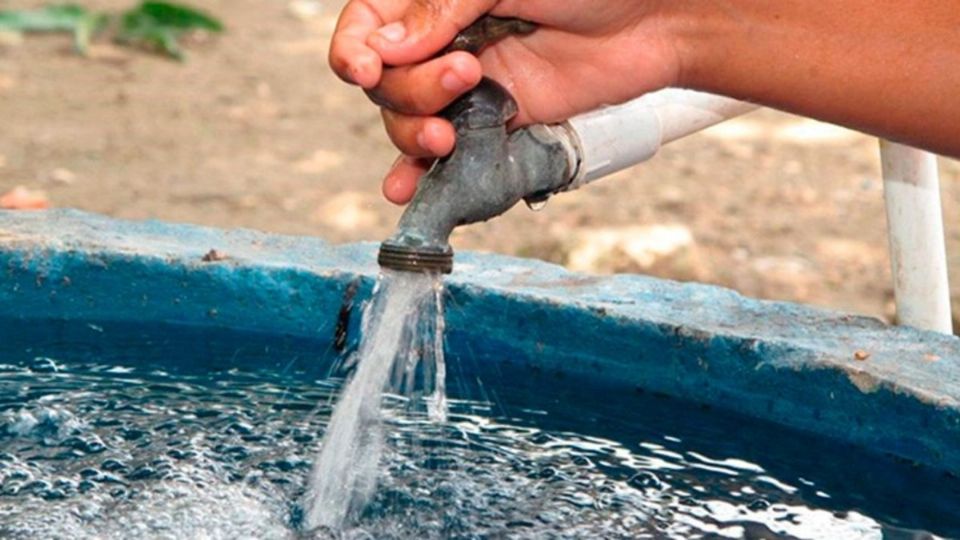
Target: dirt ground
(253, 131)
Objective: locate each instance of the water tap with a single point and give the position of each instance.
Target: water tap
(488, 173)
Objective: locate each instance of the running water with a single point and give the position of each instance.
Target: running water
(401, 352)
(125, 430)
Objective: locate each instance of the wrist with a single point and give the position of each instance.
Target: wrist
(701, 33)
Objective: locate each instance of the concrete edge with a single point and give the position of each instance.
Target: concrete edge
(791, 364)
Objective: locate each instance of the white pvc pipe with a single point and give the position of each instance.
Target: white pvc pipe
(615, 138)
(917, 247)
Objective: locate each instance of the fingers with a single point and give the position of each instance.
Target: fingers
(420, 136)
(427, 88)
(401, 182)
(375, 33)
(350, 57)
(425, 28)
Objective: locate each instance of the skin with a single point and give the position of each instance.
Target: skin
(885, 67)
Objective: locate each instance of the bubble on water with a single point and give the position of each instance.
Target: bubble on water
(47, 424)
(131, 459)
(42, 364)
(645, 480)
(161, 511)
(21, 423)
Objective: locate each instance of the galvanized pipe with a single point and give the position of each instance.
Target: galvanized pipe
(917, 243)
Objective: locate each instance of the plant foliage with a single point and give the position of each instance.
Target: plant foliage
(79, 21)
(159, 25)
(154, 26)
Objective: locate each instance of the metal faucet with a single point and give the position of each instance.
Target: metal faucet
(488, 173)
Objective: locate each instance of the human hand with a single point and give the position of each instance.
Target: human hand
(585, 54)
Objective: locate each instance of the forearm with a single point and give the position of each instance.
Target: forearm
(886, 67)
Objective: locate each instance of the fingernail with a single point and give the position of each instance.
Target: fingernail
(422, 141)
(393, 32)
(357, 73)
(363, 70)
(452, 82)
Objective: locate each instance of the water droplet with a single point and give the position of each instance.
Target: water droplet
(536, 206)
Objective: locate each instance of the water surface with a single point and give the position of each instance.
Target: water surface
(111, 430)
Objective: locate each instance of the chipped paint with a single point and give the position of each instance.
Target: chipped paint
(781, 362)
(865, 382)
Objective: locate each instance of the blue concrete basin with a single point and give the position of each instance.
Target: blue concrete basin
(781, 362)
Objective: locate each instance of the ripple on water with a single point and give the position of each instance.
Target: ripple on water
(97, 452)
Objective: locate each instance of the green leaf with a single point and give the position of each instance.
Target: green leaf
(180, 16)
(56, 18)
(87, 29)
(157, 26)
(79, 21)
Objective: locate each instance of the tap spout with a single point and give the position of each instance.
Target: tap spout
(488, 173)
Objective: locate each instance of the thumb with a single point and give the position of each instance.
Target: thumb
(425, 29)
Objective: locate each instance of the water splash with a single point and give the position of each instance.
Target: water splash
(401, 352)
(206, 434)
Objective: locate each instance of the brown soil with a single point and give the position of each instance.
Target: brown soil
(253, 131)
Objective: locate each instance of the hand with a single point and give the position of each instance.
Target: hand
(587, 53)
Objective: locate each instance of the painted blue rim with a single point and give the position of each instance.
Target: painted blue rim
(787, 363)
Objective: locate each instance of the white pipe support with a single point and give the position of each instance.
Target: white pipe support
(611, 139)
(917, 243)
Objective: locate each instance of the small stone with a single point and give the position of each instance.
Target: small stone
(740, 255)
(22, 198)
(790, 277)
(931, 358)
(861, 355)
(63, 176)
(290, 204)
(348, 211)
(248, 202)
(319, 162)
(739, 150)
(214, 256)
(305, 9)
(672, 196)
(654, 249)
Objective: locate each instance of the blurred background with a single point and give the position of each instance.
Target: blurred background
(252, 130)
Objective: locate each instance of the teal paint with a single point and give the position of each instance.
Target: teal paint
(777, 361)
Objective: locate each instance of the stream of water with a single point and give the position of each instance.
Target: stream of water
(401, 353)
